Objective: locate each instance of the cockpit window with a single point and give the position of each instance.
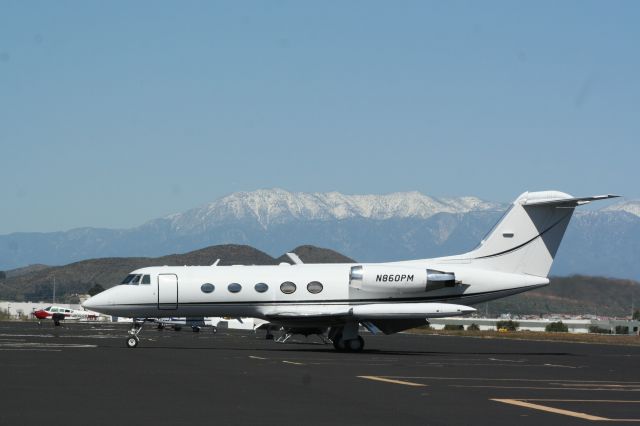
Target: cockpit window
(146, 279)
(48, 308)
(135, 280)
(127, 279)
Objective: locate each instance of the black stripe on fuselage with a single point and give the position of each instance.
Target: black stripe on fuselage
(525, 243)
(349, 301)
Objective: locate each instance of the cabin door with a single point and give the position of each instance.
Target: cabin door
(168, 291)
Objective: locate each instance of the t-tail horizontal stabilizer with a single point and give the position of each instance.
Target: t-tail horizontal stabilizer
(526, 239)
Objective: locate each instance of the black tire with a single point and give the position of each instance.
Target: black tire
(355, 345)
(132, 341)
(195, 329)
(338, 343)
(215, 329)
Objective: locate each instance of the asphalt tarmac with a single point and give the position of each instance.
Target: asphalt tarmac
(83, 374)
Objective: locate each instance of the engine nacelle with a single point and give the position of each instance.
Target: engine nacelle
(381, 278)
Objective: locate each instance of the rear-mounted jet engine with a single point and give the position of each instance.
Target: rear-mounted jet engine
(380, 278)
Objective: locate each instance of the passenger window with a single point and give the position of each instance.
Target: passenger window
(127, 279)
(314, 287)
(146, 279)
(135, 280)
(234, 287)
(261, 287)
(54, 309)
(287, 287)
(207, 288)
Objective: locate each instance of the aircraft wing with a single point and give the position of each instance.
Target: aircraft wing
(370, 311)
(387, 318)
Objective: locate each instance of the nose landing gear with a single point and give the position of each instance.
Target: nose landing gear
(133, 339)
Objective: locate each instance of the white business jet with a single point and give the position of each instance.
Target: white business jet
(515, 256)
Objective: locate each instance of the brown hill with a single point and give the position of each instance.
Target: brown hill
(36, 283)
(80, 276)
(25, 270)
(313, 254)
(576, 294)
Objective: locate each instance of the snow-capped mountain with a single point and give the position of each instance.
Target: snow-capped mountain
(369, 228)
(631, 206)
(276, 206)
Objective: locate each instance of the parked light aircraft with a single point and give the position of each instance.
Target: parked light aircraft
(514, 257)
(59, 313)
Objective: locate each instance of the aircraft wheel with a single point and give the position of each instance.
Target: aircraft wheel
(215, 329)
(339, 343)
(355, 345)
(132, 341)
(56, 323)
(160, 326)
(195, 329)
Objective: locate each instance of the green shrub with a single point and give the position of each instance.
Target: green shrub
(454, 327)
(557, 327)
(509, 325)
(599, 330)
(473, 327)
(97, 288)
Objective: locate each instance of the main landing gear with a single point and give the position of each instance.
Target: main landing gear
(133, 339)
(346, 339)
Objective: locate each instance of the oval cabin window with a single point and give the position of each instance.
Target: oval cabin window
(261, 287)
(314, 287)
(234, 287)
(207, 288)
(287, 287)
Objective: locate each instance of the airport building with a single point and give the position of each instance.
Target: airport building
(613, 326)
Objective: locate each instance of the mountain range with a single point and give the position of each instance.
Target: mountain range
(369, 228)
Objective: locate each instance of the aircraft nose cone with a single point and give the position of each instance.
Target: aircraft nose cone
(101, 302)
(90, 303)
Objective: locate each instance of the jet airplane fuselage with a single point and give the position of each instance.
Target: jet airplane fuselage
(515, 256)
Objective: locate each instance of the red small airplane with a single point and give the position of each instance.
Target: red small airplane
(59, 313)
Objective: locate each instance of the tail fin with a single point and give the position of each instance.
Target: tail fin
(527, 238)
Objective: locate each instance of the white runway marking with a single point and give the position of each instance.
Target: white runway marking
(29, 345)
(585, 416)
(397, 382)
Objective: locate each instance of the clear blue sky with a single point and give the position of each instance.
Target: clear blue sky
(112, 113)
